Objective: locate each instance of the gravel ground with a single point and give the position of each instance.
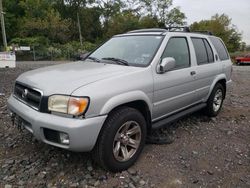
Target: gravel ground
(206, 152)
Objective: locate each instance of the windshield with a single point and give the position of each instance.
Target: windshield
(134, 50)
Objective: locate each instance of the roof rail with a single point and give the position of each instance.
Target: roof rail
(203, 32)
(148, 30)
(180, 29)
(170, 29)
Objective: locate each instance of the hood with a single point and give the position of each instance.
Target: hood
(65, 78)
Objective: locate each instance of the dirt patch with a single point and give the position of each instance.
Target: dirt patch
(206, 152)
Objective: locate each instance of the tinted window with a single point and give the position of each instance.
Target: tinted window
(220, 48)
(200, 51)
(209, 51)
(178, 49)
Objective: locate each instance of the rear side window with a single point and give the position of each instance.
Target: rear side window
(203, 51)
(177, 48)
(220, 48)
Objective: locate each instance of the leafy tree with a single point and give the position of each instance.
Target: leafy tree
(167, 15)
(89, 17)
(248, 48)
(33, 18)
(134, 14)
(243, 46)
(50, 26)
(122, 23)
(221, 26)
(13, 12)
(92, 29)
(175, 18)
(35, 8)
(148, 22)
(30, 41)
(109, 8)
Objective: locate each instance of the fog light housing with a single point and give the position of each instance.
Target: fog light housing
(64, 138)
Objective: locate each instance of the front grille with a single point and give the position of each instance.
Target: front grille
(29, 96)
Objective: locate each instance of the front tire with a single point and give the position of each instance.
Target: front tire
(121, 139)
(215, 100)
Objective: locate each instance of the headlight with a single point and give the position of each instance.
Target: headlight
(68, 104)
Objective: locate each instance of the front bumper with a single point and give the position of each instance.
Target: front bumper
(83, 133)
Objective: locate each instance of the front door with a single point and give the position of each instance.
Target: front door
(174, 90)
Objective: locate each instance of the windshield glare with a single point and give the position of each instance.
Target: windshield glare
(136, 50)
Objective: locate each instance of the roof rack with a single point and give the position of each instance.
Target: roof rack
(178, 29)
(148, 30)
(187, 29)
(170, 29)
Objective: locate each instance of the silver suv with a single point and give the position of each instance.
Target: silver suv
(134, 83)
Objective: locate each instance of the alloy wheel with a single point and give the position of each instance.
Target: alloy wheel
(127, 141)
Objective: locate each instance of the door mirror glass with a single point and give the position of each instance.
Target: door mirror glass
(167, 64)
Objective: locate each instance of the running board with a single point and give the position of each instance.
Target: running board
(161, 123)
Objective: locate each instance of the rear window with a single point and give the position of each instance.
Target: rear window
(220, 48)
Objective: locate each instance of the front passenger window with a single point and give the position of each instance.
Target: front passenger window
(177, 48)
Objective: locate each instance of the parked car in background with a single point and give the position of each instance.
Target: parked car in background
(243, 60)
(133, 83)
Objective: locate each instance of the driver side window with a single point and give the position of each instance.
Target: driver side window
(178, 49)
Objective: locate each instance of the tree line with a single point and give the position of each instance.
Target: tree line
(58, 26)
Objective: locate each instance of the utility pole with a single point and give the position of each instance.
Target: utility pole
(34, 53)
(3, 26)
(79, 27)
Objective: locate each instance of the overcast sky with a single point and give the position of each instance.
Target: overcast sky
(238, 10)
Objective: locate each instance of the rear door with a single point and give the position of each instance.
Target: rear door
(207, 66)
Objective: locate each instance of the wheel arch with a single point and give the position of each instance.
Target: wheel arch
(137, 100)
(219, 79)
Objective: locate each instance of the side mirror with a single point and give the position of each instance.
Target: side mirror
(167, 64)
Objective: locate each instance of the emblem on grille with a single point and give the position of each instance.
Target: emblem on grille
(25, 93)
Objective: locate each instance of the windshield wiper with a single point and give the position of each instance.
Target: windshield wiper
(94, 59)
(117, 60)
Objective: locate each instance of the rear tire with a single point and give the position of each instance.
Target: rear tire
(215, 101)
(121, 140)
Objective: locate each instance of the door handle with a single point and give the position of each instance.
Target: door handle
(192, 73)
